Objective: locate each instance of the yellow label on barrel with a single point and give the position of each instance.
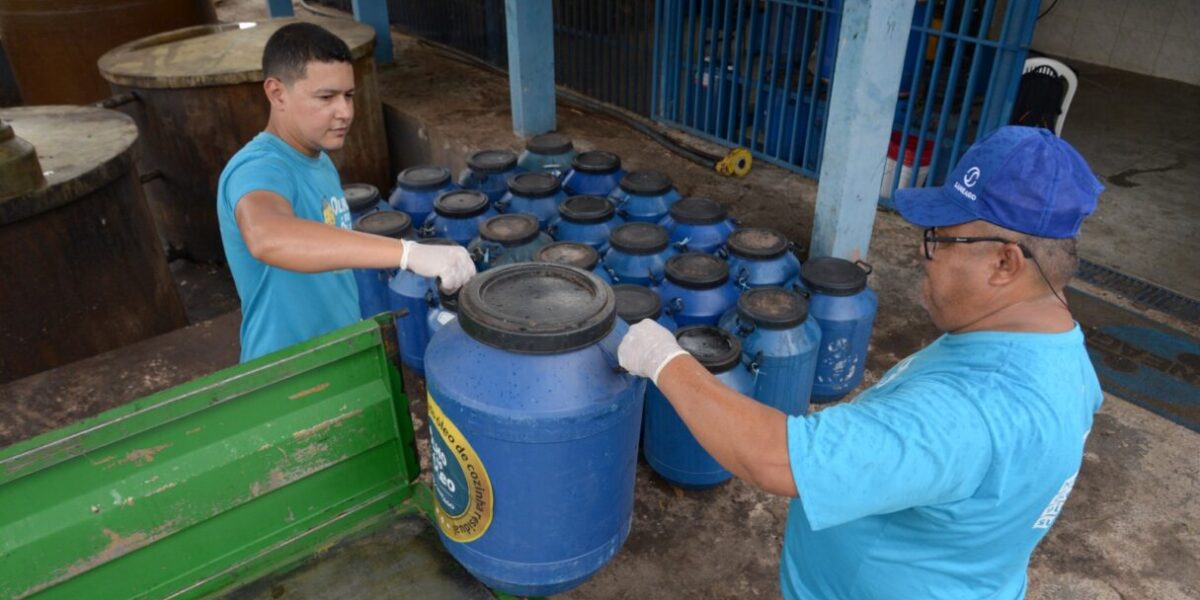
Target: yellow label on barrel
(464, 492)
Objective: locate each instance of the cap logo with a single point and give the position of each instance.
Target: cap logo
(972, 177)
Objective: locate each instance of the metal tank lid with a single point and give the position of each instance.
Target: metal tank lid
(757, 242)
(574, 254)
(219, 54)
(461, 203)
(586, 209)
(639, 238)
(537, 308)
(20, 170)
(596, 161)
(492, 161)
(535, 184)
(646, 183)
(715, 348)
(388, 223)
(424, 177)
(636, 303)
(833, 276)
(549, 143)
(698, 211)
(697, 270)
(80, 149)
(360, 195)
(773, 307)
(510, 230)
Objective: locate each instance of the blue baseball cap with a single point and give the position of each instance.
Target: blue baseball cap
(1021, 178)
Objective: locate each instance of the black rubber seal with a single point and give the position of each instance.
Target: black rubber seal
(639, 238)
(758, 243)
(573, 254)
(773, 307)
(716, 349)
(636, 303)
(697, 270)
(360, 196)
(586, 209)
(492, 161)
(597, 162)
(460, 204)
(535, 184)
(698, 211)
(549, 143)
(510, 229)
(833, 276)
(423, 178)
(646, 183)
(388, 223)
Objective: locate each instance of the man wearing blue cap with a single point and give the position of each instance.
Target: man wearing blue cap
(939, 480)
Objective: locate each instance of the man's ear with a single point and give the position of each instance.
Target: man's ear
(1010, 263)
(276, 92)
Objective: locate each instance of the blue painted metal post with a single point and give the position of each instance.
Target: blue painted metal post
(280, 8)
(531, 65)
(375, 14)
(866, 83)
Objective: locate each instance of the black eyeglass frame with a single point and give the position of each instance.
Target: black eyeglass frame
(928, 238)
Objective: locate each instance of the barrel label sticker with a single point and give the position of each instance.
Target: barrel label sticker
(460, 482)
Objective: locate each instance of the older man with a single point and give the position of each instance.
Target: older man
(938, 481)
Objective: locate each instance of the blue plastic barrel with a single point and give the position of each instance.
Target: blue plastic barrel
(638, 254)
(537, 193)
(549, 152)
(780, 342)
(533, 429)
(488, 171)
(417, 188)
(644, 196)
(670, 449)
(587, 220)
(696, 289)
(844, 307)
(415, 296)
(363, 198)
(457, 216)
(593, 173)
(574, 254)
(760, 257)
(698, 225)
(507, 239)
(373, 283)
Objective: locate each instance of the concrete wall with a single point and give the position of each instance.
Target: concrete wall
(1153, 37)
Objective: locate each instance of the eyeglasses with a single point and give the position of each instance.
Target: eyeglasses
(931, 240)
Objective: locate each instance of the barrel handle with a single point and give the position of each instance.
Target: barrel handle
(501, 205)
(611, 273)
(743, 279)
(743, 329)
(430, 298)
(552, 229)
(426, 231)
(863, 263)
(654, 279)
(754, 365)
(675, 306)
(803, 292)
(722, 252)
(682, 245)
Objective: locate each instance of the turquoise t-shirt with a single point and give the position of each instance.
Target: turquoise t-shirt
(281, 307)
(939, 481)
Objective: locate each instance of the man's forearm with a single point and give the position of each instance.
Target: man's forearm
(310, 247)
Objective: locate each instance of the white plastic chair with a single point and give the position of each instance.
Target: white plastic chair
(1033, 64)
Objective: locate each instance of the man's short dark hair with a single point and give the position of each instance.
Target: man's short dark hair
(295, 45)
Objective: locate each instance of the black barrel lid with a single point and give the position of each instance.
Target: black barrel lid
(389, 223)
(773, 307)
(427, 177)
(492, 161)
(580, 256)
(715, 348)
(510, 230)
(596, 161)
(360, 195)
(757, 242)
(833, 276)
(646, 183)
(698, 211)
(639, 238)
(537, 308)
(586, 209)
(636, 303)
(697, 270)
(549, 143)
(461, 203)
(535, 184)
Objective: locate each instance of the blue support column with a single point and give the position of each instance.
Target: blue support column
(531, 65)
(375, 14)
(280, 8)
(866, 81)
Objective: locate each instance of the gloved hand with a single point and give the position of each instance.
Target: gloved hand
(452, 264)
(647, 348)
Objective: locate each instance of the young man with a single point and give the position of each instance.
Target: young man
(284, 219)
(938, 481)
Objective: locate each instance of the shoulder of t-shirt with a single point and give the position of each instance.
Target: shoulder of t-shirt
(259, 170)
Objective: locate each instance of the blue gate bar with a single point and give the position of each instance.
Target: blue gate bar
(280, 8)
(531, 65)
(375, 14)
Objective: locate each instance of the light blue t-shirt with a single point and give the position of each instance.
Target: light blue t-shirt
(939, 481)
(281, 307)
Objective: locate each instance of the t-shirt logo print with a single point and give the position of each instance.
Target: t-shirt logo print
(336, 212)
(1056, 504)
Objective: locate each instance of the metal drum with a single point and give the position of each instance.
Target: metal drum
(373, 295)
(488, 171)
(414, 297)
(780, 343)
(533, 429)
(760, 257)
(549, 152)
(574, 254)
(417, 188)
(83, 270)
(593, 173)
(507, 239)
(537, 193)
(697, 289)
(363, 198)
(587, 220)
(638, 254)
(670, 449)
(457, 216)
(698, 225)
(844, 307)
(644, 196)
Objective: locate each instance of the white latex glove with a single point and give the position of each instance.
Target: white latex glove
(647, 348)
(452, 264)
